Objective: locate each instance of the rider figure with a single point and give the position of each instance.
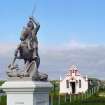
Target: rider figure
(29, 38)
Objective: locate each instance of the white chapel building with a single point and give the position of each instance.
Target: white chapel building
(73, 83)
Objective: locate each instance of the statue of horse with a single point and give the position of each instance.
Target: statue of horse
(28, 48)
(28, 51)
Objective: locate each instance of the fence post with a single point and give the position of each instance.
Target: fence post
(89, 93)
(77, 97)
(92, 90)
(74, 97)
(97, 88)
(0, 100)
(65, 97)
(70, 97)
(59, 100)
(86, 95)
(51, 99)
(82, 96)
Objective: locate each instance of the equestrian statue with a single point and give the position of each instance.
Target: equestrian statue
(27, 50)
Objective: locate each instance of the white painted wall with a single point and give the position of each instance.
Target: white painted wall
(73, 75)
(84, 85)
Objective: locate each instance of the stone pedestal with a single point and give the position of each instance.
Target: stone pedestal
(27, 92)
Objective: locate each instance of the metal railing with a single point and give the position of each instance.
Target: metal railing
(58, 99)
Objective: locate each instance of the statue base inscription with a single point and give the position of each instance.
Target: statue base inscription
(27, 92)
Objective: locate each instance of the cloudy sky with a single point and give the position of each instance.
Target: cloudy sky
(72, 32)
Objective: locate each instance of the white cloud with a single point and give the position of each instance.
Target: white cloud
(55, 60)
(73, 44)
(6, 47)
(89, 58)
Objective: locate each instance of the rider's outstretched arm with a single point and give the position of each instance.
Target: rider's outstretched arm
(36, 23)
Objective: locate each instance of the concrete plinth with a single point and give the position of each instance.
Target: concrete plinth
(27, 92)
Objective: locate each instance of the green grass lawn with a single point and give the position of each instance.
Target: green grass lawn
(93, 100)
(3, 100)
(75, 100)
